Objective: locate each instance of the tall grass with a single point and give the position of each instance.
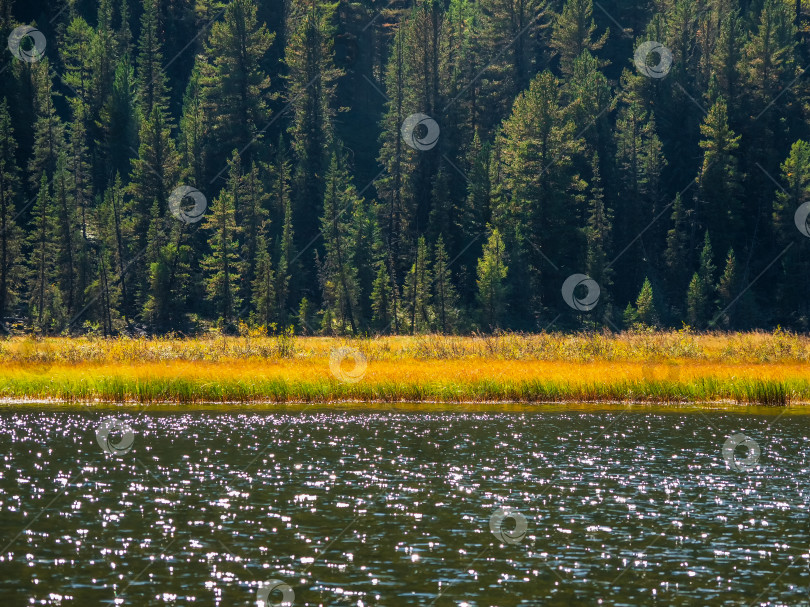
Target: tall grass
(778, 346)
(671, 367)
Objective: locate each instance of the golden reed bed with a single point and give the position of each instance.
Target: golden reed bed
(665, 367)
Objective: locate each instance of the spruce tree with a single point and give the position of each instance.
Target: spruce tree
(696, 302)
(77, 57)
(118, 122)
(492, 272)
(11, 270)
(339, 281)
(417, 296)
(68, 239)
(252, 215)
(793, 292)
(574, 32)
(48, 127)
(599, 234)
(677, 249)
(311, 82)
(223, 267)
(46, 309)
(152, 87)
(396, 200)
(645, 305)
(728, 288)
(265, 311)
(117, 228)
(719, 184)
(445, 298)
(383, 298)
(234, 85)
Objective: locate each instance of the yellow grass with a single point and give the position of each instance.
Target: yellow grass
(765, 368)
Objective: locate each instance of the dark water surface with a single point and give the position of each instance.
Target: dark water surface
(405, 507)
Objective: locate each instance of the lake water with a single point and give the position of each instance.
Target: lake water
(405, 506)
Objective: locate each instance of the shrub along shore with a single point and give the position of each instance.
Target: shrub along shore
(655, 367)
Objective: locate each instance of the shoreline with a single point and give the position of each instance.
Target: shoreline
(427, 407)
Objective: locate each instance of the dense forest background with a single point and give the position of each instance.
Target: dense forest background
(403, 166)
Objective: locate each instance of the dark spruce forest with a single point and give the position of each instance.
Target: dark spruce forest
(382, 166)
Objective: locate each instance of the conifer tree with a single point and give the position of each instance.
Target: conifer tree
(383, 298)
(396, 201)
(152, 88)
(263, 291)
(726, 56)
(728, 289)
(194, 129)
(645, 305)
(311, 83)
(492, 272)
(769, 52)
(521, 27)
(11, 269)
(117, 228)
(599, 234)
(46, 308)
(677, 248)
(156, 169)
(251, 214)
(77, 56)
(223, 268)
(68, 239)
(696, 301)
(575, 32)
(417, 296)
(792, 292)
(339, 282)
(123, 34)
(118, 122)
(445, 297)
(542, 192)
(719, 179)
(707, 267)
(48, 128)
(285, 257)
(103, 57)
(235, 87)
